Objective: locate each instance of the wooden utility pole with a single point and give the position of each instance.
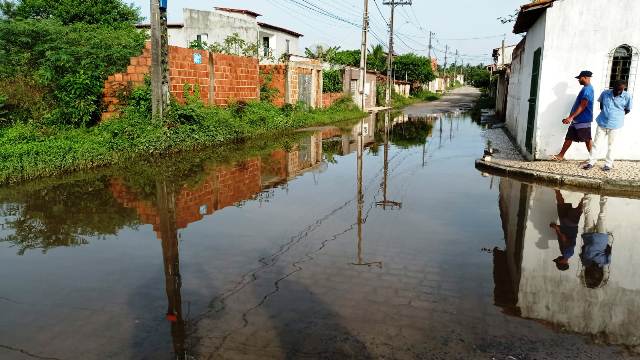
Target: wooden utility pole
(159, 59)
(363, 55)
(393, 4)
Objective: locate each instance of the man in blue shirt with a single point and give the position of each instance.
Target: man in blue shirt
(614, 105)
(567, 230)
(581, 116)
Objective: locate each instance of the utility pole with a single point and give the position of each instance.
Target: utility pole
(385, 203)
(159, 59)
(455, 68)
(431, 33)
(363, 55)
(502, 53)
(446, 53)
(393, 4)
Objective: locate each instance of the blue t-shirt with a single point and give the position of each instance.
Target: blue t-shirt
(595, 249)
(585, 116)
(613, 109)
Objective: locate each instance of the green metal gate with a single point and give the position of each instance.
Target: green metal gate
(533, 100)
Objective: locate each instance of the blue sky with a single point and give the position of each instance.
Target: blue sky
(451, 20)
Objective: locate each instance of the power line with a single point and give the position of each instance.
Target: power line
(380, 12)
(476, 38)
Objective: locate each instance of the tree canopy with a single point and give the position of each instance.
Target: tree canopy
(414, 68)
(71, 11)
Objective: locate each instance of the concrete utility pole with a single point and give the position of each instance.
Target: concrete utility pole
(502, 53)
(159, 59)
(446, 53)
(431, 33)
(455, 67)
(393, 4)
(385, 203)
(363, 55)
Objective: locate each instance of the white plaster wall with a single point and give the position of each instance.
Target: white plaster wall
(580, 36)
(217, 25)
(177, 37)
(520, 83)
(560, 298)
(278, 44)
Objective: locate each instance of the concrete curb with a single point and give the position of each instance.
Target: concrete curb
(623, 188)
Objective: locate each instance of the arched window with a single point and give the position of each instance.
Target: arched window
(621, 61)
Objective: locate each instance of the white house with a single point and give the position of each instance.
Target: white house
(562, 38)
(215, 26)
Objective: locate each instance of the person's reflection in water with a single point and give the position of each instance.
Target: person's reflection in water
(595, 254)
(567, 230)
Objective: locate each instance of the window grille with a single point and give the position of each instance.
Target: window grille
(623, 65)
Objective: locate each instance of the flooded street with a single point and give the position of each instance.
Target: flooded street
(374, 240)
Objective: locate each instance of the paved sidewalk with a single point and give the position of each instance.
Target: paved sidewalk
(624, 177)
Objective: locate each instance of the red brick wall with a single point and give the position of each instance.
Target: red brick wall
(182, 71)
(329, 98)
(277, 73)
(223, 186)
(235, 77)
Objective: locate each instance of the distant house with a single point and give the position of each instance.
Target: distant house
(562, 38)
(215, 26)
(351, 84)
(501, 68)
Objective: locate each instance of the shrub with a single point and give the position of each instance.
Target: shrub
(331, 81)
(267, 92)
(66, 65)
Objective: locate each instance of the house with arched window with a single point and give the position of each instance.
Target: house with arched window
(562, 38)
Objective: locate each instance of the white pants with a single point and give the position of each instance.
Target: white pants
(594, 222)
(611, 135)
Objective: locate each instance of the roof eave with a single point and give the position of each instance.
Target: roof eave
(529, 14)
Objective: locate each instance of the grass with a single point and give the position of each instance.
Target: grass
(485, 101)
(399, 101)
(29, 151)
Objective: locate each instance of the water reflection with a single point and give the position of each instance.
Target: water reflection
(286, 248)
(60, 213)
(596, 293)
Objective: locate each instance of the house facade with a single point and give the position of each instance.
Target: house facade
(351, 84)
(215, 26)
(564, 37)
(501, 69)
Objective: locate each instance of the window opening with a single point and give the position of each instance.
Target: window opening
(621, 64)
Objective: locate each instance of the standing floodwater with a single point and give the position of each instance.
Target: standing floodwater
(371, 240)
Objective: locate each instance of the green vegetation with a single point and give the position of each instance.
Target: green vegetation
(478, 76)
(485, 101)
(413, 68)
(233, 45)
(53, 58)
(399, 101)
(53, 64)
(331, 81)
(39, 217)
(29, 150)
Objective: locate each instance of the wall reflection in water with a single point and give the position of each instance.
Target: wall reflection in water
(570, 260)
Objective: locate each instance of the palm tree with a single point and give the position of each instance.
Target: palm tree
(321, 53)
(377, 59)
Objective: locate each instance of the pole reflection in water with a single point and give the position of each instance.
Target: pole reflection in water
(171, 258)
(360, 201)
(385, 203)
